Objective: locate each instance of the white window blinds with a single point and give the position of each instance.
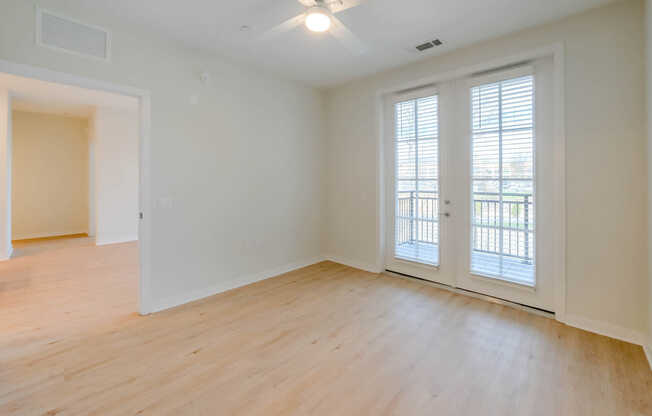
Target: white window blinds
(417, 180)
(502, 215)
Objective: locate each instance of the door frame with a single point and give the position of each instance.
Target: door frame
(422, 271)
(144, 185)
(557, 52)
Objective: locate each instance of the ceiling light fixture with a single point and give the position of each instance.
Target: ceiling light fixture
(318, 19)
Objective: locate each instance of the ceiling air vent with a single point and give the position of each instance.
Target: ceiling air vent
(428, 45)
(67, 35)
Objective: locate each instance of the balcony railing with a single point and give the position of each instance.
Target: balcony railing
(418, 222)
(417, 219)
(517, 224)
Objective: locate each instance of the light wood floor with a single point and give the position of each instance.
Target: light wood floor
(324, 340)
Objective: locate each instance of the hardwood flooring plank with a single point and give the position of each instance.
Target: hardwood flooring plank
(323, 340)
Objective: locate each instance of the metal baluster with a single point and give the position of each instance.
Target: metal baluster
(482, 222)
(419, 213)
(475, 228)
(508, 231)
(429, 205)
(402, 221)
(527, 227)
(398, 224)
(411, 216)
(498, 233)
(518, 228)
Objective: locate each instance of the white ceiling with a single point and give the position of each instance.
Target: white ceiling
(44, 97)
(390, 28)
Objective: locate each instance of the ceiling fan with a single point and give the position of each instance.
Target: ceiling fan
(319, 17)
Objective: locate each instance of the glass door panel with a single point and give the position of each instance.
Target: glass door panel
(416, 196)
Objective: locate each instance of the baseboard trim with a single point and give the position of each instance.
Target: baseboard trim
(127, 239)
(471, 294)
(47, 235)
(8, 257)
(352, 263)
(648, 354)
(230, 284)
(598, 327)
(609, 330)
(590, 325)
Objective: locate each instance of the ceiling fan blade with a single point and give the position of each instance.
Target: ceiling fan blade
(307, 3)
(337, 6)
(346, 37)
(285, 26)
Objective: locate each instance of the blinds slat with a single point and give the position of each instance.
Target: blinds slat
(417, 180)
(503, 180)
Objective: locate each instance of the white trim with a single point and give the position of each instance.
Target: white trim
(475, 295)
(500, 75)
(647, 349)
(381, 184)
(391, 258)
(144, 229)
(412, 95)
(47, 235)
(400, 261)
(607, 329)
(44, 74)
(38, 36)
(388, 258)
(6, 172)
(612, 331)
(123, 239)
(597, 327)
(557, 52)
(144, 200)
(559, 180)
(11, 252)
(233, 283)
(463, 72)
(501, 281)
(356, 264)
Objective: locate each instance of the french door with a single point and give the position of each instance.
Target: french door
(416, 232)
(470, 186)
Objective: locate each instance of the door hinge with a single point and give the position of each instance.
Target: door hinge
(140, 215)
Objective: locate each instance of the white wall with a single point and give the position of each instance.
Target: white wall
(92, 221)
(606, 163)
(648, 72)
(115, 176)
(50, 175)
(5, 175)
(241, 169)
(236, 179)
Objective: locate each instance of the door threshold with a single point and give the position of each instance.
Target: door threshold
(470, 293)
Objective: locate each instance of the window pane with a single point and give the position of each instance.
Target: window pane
(486, 155)
(406, 161)
(417, 180)
(405, 121)
(503, 180)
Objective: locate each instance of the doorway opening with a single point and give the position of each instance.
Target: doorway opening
(72, 194)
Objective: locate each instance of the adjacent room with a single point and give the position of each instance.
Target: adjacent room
(326, 207)
(71, 259)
